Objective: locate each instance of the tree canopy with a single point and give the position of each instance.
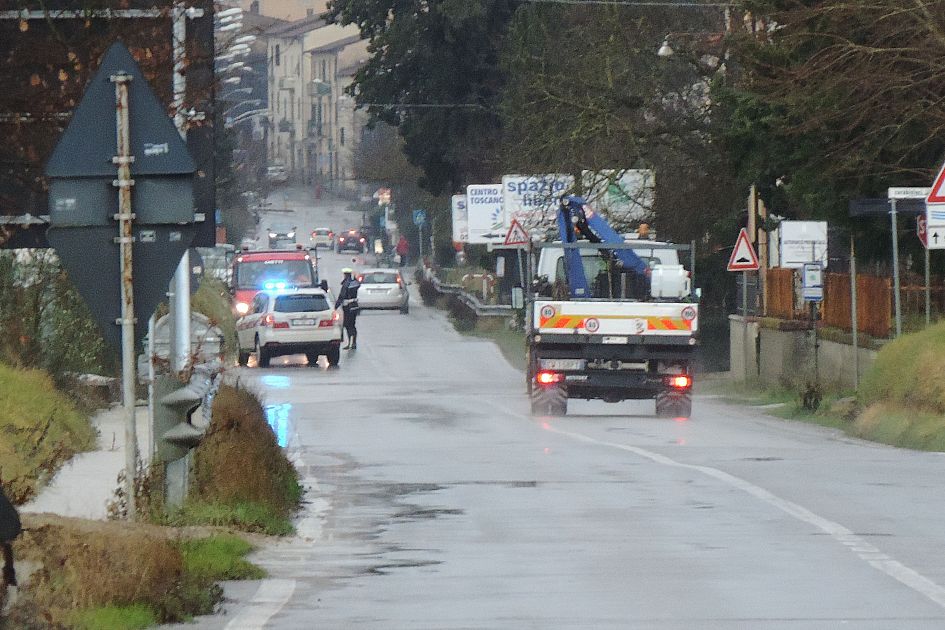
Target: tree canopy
(434, 74)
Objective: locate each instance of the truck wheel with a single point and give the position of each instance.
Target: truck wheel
(683, 407)
(549, 401)
(262, 355)
(242, 357)
(334, 356)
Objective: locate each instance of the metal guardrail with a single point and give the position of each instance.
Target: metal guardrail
(470, 300)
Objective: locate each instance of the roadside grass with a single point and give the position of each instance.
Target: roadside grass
(131, 617)
(510, 342)
(95, 574)
(247, 516)
(901, 401)
(40, 429)
(219, 557)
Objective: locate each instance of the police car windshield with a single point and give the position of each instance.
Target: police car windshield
(269, 274)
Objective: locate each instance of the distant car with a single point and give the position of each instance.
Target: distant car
(281, 235)
(276, 174)
(351, 241)
(293, 321)
(383, 289)
(323, 237)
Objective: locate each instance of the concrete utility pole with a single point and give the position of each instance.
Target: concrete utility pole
(123, 160)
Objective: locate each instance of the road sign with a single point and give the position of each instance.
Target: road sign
(486, 213)
(460, 219)
(813, 282)
(937, 193)
(533, 200)
(516, 234)
(902, 192)
(419, 217)
(81, 169)
(802, 242)
(743, 256)
(84, 196)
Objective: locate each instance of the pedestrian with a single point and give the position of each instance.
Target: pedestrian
(403, 248)
(348, 301)
(10, 528)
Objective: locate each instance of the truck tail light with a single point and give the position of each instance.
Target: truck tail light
(548, 377)
(680, 381)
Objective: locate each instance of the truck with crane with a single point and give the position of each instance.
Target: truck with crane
(609, 318)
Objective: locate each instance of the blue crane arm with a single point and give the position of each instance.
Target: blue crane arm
(575, 217)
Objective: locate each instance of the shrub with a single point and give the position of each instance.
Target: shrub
(910, 371)
(239, 460)
(428, 292)
(213, 300)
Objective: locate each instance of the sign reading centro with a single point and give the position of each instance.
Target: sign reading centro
(486, 215)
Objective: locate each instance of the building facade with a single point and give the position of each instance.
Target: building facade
(314, 126)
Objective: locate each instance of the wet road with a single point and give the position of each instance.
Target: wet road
(435, 501)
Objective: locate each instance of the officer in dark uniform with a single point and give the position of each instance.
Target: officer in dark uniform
(348, 301)
(9, 529)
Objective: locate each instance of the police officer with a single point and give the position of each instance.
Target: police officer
(348, 301)
(9, 529)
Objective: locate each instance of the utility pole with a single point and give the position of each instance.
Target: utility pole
(123, 160)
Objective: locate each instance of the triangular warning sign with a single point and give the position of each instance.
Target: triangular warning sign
(937, 193)
(516, 234)
(743, 255)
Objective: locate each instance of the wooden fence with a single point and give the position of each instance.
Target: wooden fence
(779, 286)
(874, 301)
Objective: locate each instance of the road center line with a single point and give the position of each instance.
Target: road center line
(863, 549)
(269, 599)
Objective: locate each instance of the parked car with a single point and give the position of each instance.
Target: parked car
(383, 289)
(281, 235)
(276, 174)
(293, 321)
(351, 241)
(323, 237)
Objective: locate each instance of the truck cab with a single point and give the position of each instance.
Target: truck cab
(277, 270)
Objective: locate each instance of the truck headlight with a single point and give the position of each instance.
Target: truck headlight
(272, 235)
(242, 308)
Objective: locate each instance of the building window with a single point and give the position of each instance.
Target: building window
(341, 138)
(278, 55)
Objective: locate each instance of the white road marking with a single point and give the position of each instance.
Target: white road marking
(864, 550)
(269, 599)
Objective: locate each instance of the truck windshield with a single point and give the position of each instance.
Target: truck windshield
(269, 274)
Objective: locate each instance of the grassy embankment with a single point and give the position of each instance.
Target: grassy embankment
(901, 401)
(90, 575)
(40, 428)
(120, 575)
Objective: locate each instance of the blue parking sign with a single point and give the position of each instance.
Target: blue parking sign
(419, 217)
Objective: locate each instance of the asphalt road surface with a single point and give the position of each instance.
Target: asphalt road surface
(436, 501)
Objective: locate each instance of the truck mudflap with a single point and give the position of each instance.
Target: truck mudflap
(616, 319)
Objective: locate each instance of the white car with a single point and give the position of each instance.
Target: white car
(383, 288)
(276, 174)
(323, 237)
(295, 321)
